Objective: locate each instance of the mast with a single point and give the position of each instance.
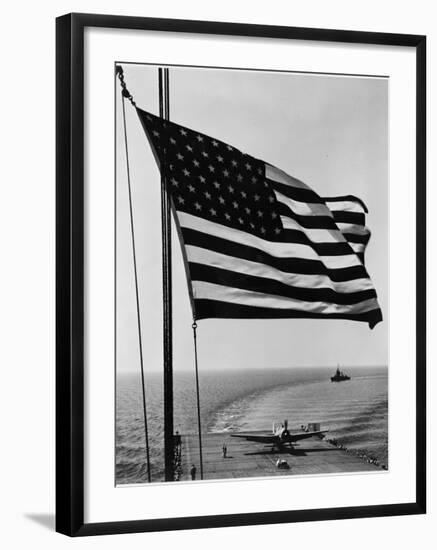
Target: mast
(164, 112)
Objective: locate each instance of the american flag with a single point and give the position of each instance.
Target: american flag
(257, 242)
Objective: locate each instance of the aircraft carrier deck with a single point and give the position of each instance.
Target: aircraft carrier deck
(248, 459)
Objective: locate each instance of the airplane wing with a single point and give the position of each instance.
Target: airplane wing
(258, 437)
(304, 435)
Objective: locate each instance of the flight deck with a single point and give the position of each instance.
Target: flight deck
(248, 459)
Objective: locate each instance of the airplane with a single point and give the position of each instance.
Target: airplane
(279, 437)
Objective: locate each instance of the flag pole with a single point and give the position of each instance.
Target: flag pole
(164, 112)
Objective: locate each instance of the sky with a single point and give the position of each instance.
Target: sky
(329, 131)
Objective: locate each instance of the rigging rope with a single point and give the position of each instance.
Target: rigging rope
(125, 94)
(199, 427)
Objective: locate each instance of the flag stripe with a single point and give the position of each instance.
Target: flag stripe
(196, 254)
(353, 238)
(347, 198)
(265, 285)
(349, 217)
(276, 174)
(341, 248)
(206, 290)
(346, 228)
(207, 308)
(296, 193)
(345, 206)
(358, 248)
(304, 208)
(286, 264)
(276, 249)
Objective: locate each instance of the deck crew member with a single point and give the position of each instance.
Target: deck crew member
(193, 471)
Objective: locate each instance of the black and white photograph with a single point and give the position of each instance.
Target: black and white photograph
(215, 275)
(252, 276)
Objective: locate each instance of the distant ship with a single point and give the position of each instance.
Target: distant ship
(339, 376)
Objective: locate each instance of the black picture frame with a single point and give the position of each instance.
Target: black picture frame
(70, 272)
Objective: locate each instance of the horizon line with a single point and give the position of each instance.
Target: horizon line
(227, 368)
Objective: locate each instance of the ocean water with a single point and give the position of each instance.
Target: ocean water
(356, 411)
